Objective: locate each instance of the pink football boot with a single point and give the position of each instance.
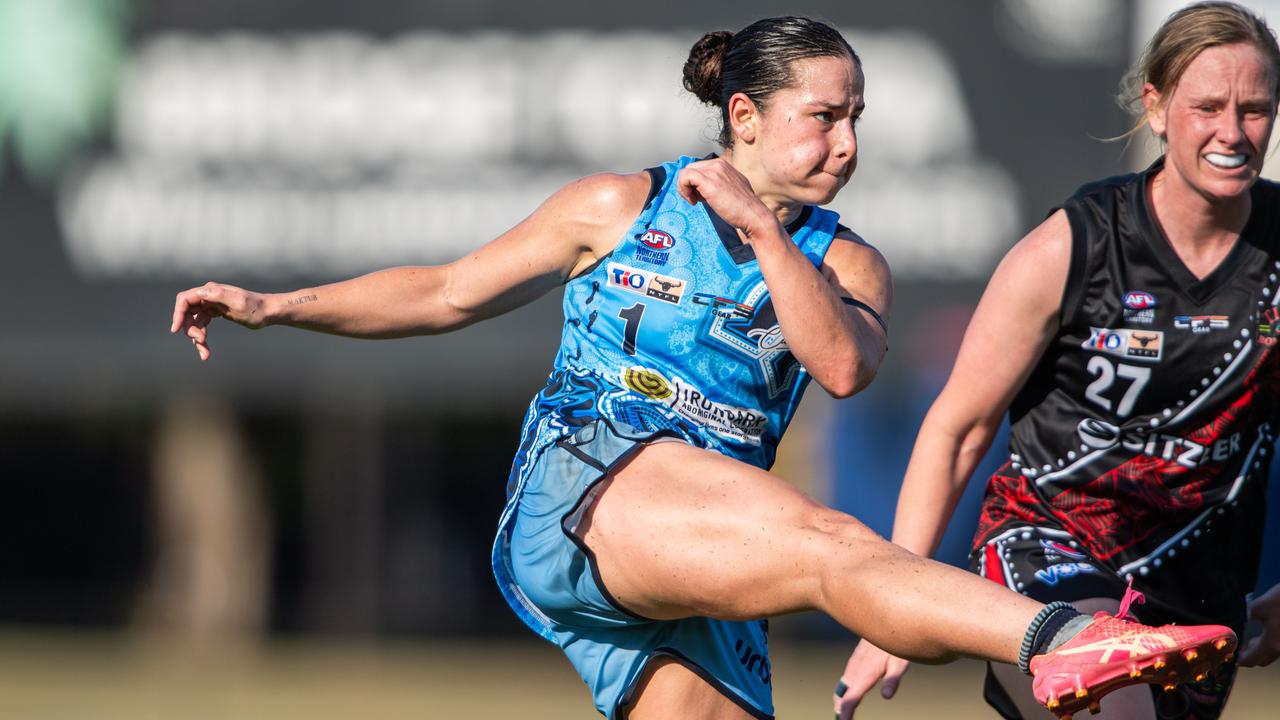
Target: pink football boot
(1112, 653)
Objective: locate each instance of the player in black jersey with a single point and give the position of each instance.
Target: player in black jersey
(1133, 339)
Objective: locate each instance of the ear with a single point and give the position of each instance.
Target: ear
(1154, 109)
(744, 118)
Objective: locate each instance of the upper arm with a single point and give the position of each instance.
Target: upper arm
(1014, 323)
(570, 232)
(857, 271)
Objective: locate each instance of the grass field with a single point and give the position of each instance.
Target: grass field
(84, 676)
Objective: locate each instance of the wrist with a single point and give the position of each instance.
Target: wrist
(273, 310)
(763, 228)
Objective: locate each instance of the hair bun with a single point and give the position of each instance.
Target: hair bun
(702, 69)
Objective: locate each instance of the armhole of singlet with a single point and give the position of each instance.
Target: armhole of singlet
(657, 178)
(1073, 293)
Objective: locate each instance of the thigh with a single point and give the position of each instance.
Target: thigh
(678, 531)
(670, 689)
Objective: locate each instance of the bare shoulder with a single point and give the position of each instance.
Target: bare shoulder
(1033, 274)
(594, 211)
(604, 198)
(859, 270)
(1046, 248)
(851, 250)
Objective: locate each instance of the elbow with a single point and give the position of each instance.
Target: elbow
(849, 377)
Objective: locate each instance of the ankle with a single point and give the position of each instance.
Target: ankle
(1055, 624)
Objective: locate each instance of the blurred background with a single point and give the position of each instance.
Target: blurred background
(303, 524)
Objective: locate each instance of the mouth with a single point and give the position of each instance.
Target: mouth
(1226, 161)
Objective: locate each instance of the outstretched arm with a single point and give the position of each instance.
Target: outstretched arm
(1013, 324)
(567, 234)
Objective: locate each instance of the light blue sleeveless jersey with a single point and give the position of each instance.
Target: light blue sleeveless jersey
(674, 333)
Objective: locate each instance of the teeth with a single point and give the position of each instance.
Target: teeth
(1225, 161)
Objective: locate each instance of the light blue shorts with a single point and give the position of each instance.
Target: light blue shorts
(554, 585)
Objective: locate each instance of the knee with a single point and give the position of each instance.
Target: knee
(841, 535)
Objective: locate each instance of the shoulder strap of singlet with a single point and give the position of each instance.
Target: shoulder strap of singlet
(657, 180)
(1077, 269)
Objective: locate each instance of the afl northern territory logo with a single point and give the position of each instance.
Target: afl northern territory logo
(655, 247)
(658, 240)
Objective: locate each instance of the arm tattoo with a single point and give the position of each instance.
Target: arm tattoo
(303, 299)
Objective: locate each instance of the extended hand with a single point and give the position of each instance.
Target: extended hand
(866, 666)
(727, 191)
(1264, 649)
(194, 309)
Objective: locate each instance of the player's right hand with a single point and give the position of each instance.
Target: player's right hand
(194, 309)
(866, 666)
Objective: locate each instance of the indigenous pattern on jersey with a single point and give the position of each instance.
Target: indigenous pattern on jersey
(1146, 430)
(674, 333)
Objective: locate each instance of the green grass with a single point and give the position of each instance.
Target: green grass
(90, 676)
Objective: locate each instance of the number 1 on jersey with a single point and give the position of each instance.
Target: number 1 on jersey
(632, 315)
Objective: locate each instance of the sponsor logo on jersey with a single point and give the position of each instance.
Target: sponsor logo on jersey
(1135, 344)
(1053, 550)
(723, 306)
(1202, 323)
(648, 284)
(1269, 328)
(742, 424)
(756, 663)
(654, 247)
(1139, 307)
(1185, 452)
(1062, 571)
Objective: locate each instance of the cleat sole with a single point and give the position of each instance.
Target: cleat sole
(1069, 696)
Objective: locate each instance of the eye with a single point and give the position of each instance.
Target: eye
(825, 117)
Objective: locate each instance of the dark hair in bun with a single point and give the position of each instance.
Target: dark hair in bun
(756, 61)
(702, 69)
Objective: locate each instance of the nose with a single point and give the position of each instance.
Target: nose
(845, 143)
(1230, 129)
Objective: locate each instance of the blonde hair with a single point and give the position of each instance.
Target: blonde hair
(1182, 37)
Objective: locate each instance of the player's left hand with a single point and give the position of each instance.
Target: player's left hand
(867, 665)
(728, 192)
(1265, 648)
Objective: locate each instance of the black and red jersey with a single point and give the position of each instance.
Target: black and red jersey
(1146, 430)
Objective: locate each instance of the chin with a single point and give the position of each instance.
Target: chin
(1226, 190)
(821, 195)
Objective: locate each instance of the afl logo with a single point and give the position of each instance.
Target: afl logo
(657, 240)
(1138, 300)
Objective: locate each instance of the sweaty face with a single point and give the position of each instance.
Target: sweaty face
(1217, 121)
(807, 144)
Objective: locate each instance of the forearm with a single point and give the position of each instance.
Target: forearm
(397, 302)
(941, 464)
(838, 348)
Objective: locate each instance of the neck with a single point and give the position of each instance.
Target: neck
(1200, 230)
(782, 207)
(1192, 221)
